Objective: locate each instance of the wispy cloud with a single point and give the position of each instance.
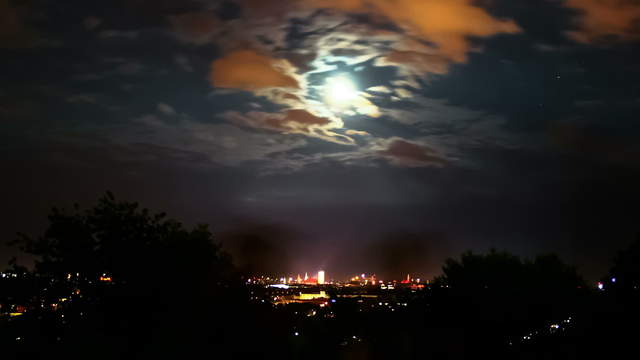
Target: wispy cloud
(603, 20)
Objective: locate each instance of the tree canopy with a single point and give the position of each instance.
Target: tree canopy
(624, 275)
(503, 270)
(127, 242)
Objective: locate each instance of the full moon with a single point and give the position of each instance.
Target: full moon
(340, 92)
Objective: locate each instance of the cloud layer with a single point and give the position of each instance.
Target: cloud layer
(251, 71)
(602, 20)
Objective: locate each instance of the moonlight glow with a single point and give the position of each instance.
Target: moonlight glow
(340, 92)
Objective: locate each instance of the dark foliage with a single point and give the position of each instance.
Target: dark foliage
(127, 242)
(164, 279)
(624, 276)
(175, 293)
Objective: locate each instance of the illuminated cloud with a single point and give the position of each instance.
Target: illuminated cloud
(416, 63)
(250, 71)
(293, 121)
(418, 37)
(166, 109)
(357, 132)
(601, 19)
(447, 24)
(220, 143)
(401, 152)
(197, 28)
(342, 97)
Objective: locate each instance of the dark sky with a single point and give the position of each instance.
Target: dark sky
(354, 135)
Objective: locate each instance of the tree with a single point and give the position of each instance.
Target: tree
(624, 275)
(169, 290)
(477, 271)
(504, 271)
(498, 295)
(138, 249)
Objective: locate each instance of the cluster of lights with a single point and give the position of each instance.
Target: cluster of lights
(552, 329)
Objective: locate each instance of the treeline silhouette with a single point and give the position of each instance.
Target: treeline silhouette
(171, 292)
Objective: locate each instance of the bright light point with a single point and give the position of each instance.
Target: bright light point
(340, 92)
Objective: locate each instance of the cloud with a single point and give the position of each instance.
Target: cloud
(112, 34)
(224, 144)
(603, 19)
(416, 63)
(14, 34)
(166, 109)
(91, 22)
(443, 28)
(357, 132)
(183, 62)
(287, 62)
(401, 152)
(197, 28)
(293, 121)
(448, 24)
(251, 71)
(396, 151)
(129, 68)
(82, 98)
(597, 146)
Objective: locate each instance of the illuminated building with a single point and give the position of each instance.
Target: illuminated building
(310, 281)
(321, 277)
(318, 298)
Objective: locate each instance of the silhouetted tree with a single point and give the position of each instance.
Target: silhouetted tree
(169, 283)
(128, 243)
(498, 295)
(624, 275)
(503, 271)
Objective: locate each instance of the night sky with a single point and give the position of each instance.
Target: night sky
(353, 135)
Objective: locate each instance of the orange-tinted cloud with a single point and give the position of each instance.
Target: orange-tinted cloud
(267, 9)
(417, 63)
(401, 152)
(606, 18)
(251, 71)
(14, 34)
(446, 23)
(357, 132)
(293, 121)
(197, 28)
(297, 119)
